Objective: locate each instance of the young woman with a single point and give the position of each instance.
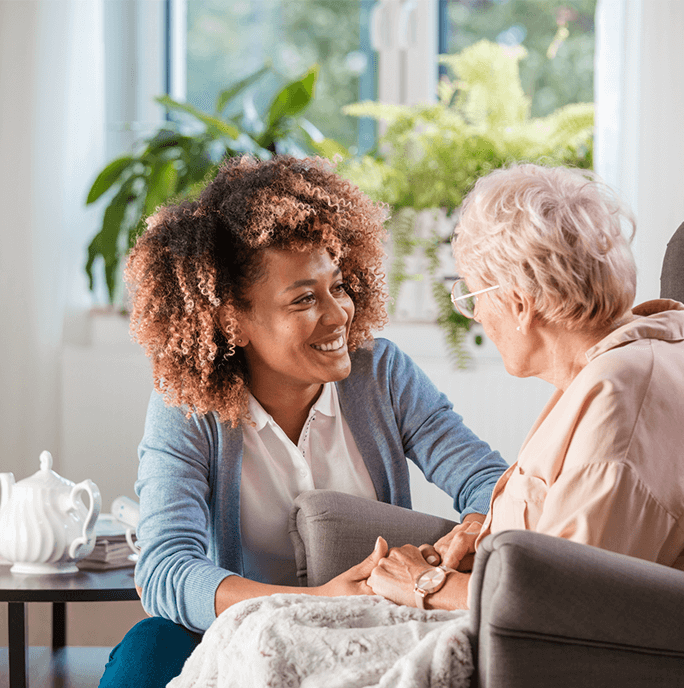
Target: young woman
(256, 305)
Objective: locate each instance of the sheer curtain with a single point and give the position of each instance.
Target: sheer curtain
(639, 92)
(51, 145)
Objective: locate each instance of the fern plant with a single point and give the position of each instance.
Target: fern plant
(431, 155)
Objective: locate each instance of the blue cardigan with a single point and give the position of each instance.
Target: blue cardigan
(189, 476)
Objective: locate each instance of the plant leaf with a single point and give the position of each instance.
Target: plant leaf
(106, 242)
(108, 177)
(161, 185)
(328, 148)
(225, 96)
(293, 98)
(402, 228)
(218, 125)
(135, 231)
(388, 112)
(163, 139)
(454, 325)
(164, 142)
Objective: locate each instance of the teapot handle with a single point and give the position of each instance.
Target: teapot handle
(93, 512)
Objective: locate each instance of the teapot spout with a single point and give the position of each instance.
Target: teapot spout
(6, 483)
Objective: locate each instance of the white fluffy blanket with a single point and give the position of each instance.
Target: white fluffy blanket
(291, 641)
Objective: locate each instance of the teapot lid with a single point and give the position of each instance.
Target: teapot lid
(46, 477)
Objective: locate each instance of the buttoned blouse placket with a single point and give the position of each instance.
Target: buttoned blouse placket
(304, 446)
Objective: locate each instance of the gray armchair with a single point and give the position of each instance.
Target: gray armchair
(546, 612)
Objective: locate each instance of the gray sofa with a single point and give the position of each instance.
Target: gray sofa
(545, 612)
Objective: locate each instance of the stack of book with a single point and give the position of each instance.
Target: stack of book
(111, 549)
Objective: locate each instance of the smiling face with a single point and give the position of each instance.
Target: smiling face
(295, 334)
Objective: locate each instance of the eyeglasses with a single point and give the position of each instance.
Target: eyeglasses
(464, 300)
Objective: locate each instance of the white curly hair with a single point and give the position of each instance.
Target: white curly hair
(554, 234)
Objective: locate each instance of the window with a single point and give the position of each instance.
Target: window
(224, 42)
(228, 41)
(558, 36)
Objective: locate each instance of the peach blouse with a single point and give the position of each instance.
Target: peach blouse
(604, 463)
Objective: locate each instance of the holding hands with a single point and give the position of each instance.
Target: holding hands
(456, 550)
(393, 574)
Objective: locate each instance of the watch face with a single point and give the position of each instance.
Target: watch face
(431, 580)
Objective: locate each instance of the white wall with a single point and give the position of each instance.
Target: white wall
(106, 384)
(51, 83)
(18, 47)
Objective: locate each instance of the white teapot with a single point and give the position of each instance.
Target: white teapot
(44, 525)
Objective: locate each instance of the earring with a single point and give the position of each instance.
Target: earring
(518, 328)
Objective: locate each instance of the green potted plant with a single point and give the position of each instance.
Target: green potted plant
(430, 155)
(177, 159)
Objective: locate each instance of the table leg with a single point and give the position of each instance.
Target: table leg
(58, 625)
(17, 644)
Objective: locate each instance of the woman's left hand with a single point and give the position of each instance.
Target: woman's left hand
(394, 576)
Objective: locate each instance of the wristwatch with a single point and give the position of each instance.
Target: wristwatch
(429, 581)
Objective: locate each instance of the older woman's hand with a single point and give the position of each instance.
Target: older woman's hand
(394, 576)
(456, 550)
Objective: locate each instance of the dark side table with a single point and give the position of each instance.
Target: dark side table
(85, 586)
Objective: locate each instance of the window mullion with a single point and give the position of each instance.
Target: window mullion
(176, 51)
(405, 35)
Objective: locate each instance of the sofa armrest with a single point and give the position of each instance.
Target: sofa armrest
(550, 612)
(332, 531)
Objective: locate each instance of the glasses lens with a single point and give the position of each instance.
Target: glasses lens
(462, 299)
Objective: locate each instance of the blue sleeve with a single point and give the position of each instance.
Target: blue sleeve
(435, 438)
(178, 578)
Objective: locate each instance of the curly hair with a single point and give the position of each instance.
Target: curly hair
(190, 271)
(554, 234)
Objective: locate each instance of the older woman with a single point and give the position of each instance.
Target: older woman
(549, 274)
(255, 304)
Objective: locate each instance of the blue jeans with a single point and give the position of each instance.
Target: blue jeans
(150, 655)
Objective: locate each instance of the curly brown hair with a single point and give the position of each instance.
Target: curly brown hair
(190, 271)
